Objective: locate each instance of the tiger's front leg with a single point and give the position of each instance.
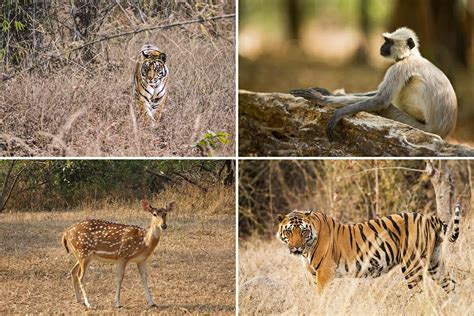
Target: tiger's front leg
(324, 276)
(321, 277)
(159, 110)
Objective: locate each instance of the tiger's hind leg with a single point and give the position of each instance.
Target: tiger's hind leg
(413, 271)
(437, 271)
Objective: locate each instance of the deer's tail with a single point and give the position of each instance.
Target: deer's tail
(64, 241)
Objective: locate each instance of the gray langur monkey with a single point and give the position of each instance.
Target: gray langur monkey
(413, 91)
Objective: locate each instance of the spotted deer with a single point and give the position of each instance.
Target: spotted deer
(121, 244)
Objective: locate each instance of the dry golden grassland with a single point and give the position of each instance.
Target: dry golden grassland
(192, 269)
(271, 281)
(88, 110)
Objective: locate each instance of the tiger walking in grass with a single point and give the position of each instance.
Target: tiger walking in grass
(330, 249)
(150, 80)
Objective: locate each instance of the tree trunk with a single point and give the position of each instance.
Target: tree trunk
(440, 178)
(293, 8)
(362, 53)
(8, 189)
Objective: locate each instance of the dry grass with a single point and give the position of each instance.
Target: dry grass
(87, 110)
(273, 281)
(192, 269)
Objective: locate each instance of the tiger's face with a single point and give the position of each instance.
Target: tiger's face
(296, 231)
(154, 70)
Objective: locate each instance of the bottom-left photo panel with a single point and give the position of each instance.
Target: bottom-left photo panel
(138, 236)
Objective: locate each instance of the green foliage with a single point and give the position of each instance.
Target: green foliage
(211, 141)
(61, 184)
(19, 26)
(5, 26)
(271, 16)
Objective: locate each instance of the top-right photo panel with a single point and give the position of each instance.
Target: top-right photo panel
(363, 78)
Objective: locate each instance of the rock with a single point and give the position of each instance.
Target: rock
(278, 124)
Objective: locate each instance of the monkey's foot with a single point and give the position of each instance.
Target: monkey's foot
(335, 118)
(312, 94)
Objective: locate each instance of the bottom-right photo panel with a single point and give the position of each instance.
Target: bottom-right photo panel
(355, 236)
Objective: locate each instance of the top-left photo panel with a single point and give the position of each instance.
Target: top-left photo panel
(121, 78)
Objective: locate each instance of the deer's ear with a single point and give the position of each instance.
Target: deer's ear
(146, 205)
(171, 206)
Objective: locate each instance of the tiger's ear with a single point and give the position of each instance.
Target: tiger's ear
(308, 212)
(163, 57)
(280, 217)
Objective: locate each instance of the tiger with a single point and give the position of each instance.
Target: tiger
(367, 250)
(150, 81)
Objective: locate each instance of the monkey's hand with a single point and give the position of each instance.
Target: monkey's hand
(311, 94)
(335, 118)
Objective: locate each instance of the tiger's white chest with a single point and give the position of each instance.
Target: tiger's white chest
(156, 93)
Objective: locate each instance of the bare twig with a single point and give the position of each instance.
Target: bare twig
(381, 168)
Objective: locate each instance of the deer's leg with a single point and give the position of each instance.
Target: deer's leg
(142, 270)
(83, 264)
(121, 264)
(75, 283)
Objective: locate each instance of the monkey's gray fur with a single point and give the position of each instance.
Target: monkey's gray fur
(413, 91)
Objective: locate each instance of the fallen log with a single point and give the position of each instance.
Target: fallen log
(279, 125)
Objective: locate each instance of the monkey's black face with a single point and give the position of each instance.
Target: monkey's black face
(386, 47)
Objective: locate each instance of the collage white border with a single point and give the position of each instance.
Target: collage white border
(236, 158)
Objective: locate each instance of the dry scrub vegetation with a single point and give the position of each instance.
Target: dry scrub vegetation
(72, 108)
(271, 281)
(191, 271)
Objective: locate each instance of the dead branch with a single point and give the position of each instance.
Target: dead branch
(159, 175)
(5, 197)
(185, 178)
(167, 26)
(106, 37)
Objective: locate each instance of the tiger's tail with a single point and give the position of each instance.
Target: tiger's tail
(456, 223)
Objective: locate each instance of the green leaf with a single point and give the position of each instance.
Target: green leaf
(5, 26)
(19, 26)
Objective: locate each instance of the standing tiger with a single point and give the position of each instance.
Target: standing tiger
(150, 78)
(369, 249)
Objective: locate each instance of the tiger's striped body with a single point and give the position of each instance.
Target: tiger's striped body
(369, 249)
(150, 81)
